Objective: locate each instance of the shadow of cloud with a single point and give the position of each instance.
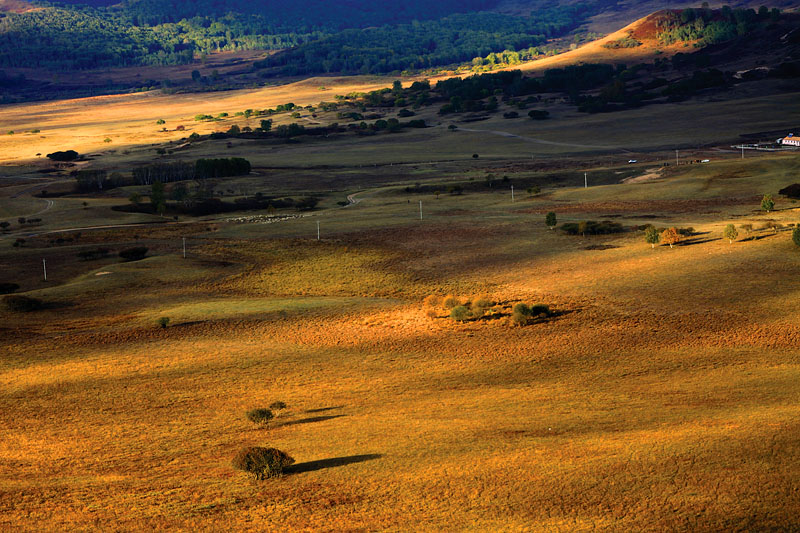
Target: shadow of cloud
(333, 462)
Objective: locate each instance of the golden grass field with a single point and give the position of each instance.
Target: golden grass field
(663, 395)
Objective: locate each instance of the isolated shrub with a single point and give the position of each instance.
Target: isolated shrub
(4, 225)
(539, 114)
(262, 462)
(163, 322)
(22, 304)
(260, 416)
(767, 204)
(730, 233)
(133, 254)
(460, 313)
(550, 220)
(795, 236)
(277, 406)
(450, 302)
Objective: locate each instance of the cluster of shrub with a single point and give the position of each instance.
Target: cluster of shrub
(459, 309)
(523, 314)
(591, 227)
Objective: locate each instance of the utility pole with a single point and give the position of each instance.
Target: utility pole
(742, 150)
(317, 229)
(420, 209)
(676, 158)
(585, 181)
(44, 269)
(184, 247)
(512, 194)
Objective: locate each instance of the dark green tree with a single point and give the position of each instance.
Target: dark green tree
(550, 220)
(651, 236)
(730, 233)
(767, 204)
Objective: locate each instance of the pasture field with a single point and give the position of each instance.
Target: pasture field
(662, 394)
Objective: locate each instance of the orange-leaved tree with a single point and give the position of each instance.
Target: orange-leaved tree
(670, 236)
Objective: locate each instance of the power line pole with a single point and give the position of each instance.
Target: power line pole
(742, 150)
(44, 269)
(420, 209)
(184, 247)
(317, 229)
(585, 181)
(676, 158)
(512, 194)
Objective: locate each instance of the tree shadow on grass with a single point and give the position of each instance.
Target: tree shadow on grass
(698, 241)
(323, 409)
(333, 462)
(310, 420)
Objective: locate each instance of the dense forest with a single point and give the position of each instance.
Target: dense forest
(421, 45)
(67, 36)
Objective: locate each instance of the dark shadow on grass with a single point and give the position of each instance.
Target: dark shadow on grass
(333, 462)
(698, 241)
(310, 420)
(323, 409)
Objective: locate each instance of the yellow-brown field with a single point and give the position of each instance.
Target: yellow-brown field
(663, 394)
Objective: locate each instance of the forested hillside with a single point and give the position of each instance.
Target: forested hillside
(355, 36)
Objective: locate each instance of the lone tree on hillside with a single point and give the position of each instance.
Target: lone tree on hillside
(730, 233)
(766, 203)
(671, 236)
(796, 234)
(651, 236)
(550, 220)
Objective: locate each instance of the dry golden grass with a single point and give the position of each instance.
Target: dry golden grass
(663, 396)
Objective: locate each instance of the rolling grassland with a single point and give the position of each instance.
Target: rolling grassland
(662, 394)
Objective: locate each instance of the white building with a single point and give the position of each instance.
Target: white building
(790, 140)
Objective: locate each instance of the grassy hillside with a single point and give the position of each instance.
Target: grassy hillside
(662, 393)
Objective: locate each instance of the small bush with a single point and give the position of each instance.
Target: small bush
(277, 406)
(523, 313)
(262, 462)
(522, 309)
(133, 254)
(163, 322)
(23, 304)
(450, 302)
(8, 288)
(480, 307)
(260, 416)
(518, 319)
(460, 313)
(432, 300)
